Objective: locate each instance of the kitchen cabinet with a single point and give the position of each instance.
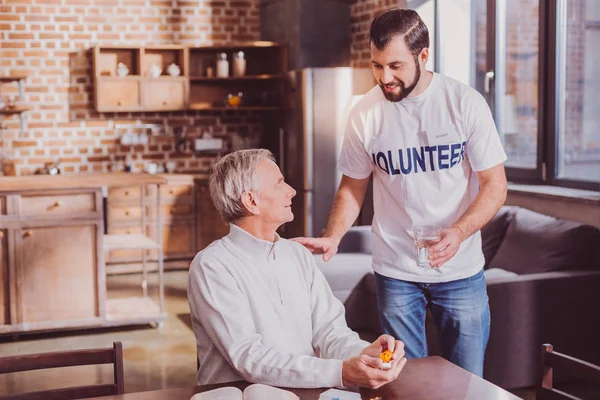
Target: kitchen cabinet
(119, 94)
(139, 90)
(57, 272)
(166, 94)
(264, 86)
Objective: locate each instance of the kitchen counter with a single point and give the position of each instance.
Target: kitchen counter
(95, 180)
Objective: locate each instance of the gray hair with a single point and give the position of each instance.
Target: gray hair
(233, 175)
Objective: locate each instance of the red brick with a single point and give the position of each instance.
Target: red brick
(8, 17)
(66, 19)
(70, 159)
(13, 45)
(24, 143)
(37, 18)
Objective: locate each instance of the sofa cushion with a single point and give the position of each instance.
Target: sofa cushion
(344, 271)
(539, 243)
(494, 231)
(358, 239)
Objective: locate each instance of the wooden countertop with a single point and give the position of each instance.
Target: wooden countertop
(45, 182)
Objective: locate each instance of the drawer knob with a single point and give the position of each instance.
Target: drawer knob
(127, 193)
(119, 103)
(27, 234)
(164, 102)
(126, 212)
(57, 204)
(171, 192)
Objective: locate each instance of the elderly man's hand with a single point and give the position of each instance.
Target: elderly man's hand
(323, 245)
(365, 371)
(383, 343)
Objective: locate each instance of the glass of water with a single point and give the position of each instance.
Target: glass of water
(426, 234)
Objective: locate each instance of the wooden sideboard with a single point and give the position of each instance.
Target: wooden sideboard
(52, 246)
(46, 236)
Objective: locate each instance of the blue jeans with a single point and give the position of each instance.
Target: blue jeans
(460, 311)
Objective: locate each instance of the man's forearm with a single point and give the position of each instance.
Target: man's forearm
(346, 207)
(486, 204)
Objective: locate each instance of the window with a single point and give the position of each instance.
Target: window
(578, 90)
(537, 63)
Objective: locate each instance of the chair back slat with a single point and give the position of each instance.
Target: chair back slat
(573, 366)
(68, 359)
(81, 392)
(56, 360)
(119, 374)
(568, 365)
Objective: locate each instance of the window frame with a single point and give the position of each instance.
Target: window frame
(548, 33)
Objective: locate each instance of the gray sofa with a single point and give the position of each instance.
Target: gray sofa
(543, 282)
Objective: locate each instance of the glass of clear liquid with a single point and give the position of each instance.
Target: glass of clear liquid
(426, 234)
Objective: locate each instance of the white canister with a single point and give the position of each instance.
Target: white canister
(222, 66)
(239, 64)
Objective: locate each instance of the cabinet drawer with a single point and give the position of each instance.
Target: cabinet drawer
(118, 95)
(124, 193)
(177, 209)
(169, 191)
(58, 204)
(124, 213)
(166, 94)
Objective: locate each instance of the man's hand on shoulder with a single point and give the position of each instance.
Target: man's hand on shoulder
(323, 245)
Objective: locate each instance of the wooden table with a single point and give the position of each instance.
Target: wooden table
(429, 378)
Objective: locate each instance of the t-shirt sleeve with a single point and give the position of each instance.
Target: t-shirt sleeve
(354, 160)
(484, 148)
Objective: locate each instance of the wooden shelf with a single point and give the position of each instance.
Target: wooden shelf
(241, 108)
(238, 78)
(13, 78)
(131, 241)
(133, 310)
(234, 46)
(15, 110)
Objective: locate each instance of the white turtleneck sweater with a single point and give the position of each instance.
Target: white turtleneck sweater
(263, 312)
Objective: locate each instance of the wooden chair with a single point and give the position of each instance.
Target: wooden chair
(572, 366)
(68, 359)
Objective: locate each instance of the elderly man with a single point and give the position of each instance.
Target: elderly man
(261, 310)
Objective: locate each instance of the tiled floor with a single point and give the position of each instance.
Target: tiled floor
(154, 358)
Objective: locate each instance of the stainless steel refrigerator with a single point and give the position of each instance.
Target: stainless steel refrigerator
(312, 140)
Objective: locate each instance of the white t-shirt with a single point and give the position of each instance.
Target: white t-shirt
(423, 152)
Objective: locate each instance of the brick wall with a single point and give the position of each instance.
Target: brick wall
(51, 40)
(361, 14)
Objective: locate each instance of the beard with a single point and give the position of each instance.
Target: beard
(404, 90)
